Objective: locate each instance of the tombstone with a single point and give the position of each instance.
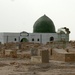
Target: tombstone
(3, 53)
(36, 59)
(45, 56)
(67, 50)
(39, 52)
(34, 52)
(13, 54)
(19, 46)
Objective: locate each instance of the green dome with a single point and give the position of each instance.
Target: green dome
(44, 25)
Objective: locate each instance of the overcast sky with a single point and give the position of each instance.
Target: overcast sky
(20, 15)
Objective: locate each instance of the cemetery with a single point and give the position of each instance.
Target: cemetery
(43, 52)
(34, 59)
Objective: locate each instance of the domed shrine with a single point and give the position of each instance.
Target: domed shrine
(44, 25)
(43, 31)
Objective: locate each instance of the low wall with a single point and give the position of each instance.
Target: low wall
(62, 55)
(70, 57)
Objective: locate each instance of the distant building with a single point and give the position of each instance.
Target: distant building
(43, 32)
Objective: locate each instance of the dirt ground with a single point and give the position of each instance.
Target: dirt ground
(26, 67)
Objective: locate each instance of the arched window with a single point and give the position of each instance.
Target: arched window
(51, 38)
(32, 39)
(37, 39)
(15, 39)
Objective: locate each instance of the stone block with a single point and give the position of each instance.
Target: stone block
(34, 52)
(36, 59)
(63, 55)
(13, 54)
(7, 52)
(45, 56)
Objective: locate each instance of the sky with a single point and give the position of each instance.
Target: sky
(20, 15)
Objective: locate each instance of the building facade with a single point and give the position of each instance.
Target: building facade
(43, 32)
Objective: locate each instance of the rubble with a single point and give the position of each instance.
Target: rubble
(35, 51)
(29, 58)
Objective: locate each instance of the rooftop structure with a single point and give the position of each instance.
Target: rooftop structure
(44, 25)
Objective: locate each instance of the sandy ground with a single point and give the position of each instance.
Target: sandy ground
(25, 67)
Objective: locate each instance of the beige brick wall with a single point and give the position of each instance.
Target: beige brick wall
(70, 57)
(67, 57)
(58, 56)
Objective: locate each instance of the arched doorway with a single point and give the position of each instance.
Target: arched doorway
(51, 38)
(24, 40)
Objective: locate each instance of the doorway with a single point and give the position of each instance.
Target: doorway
(24, 40)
